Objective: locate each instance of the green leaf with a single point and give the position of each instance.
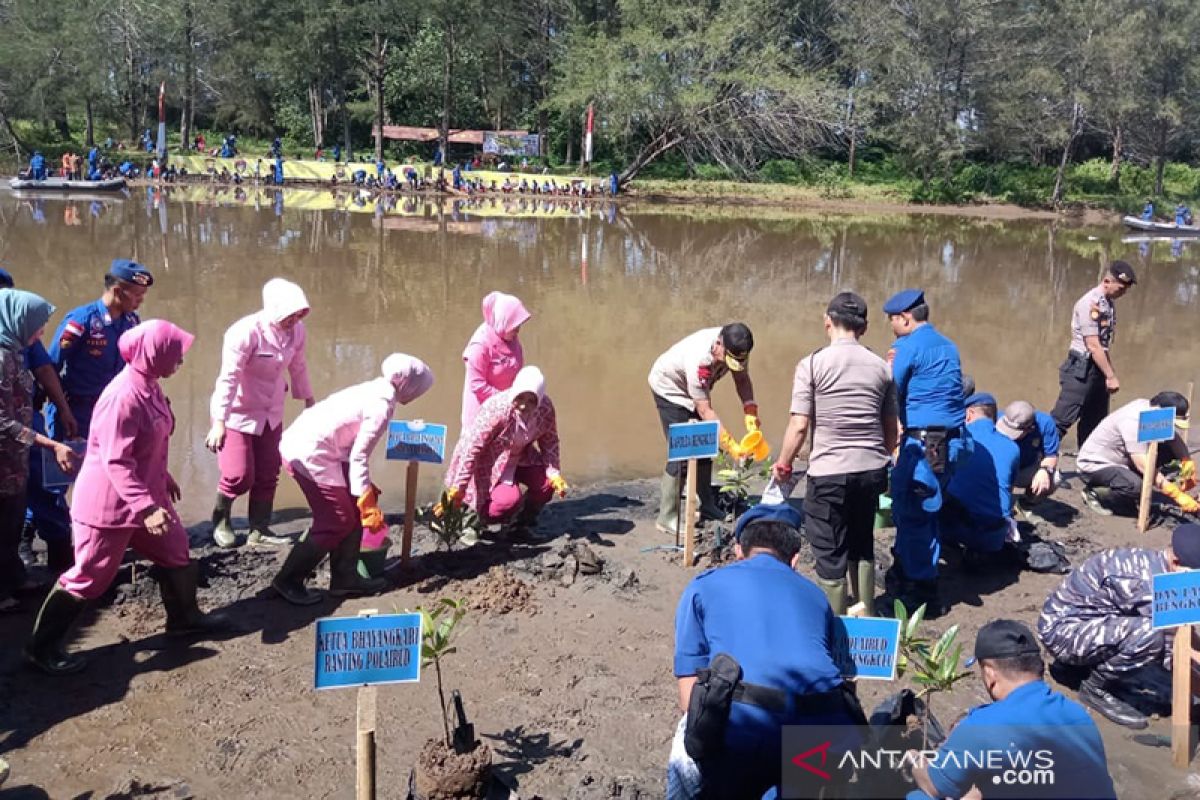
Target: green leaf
(900, 611)
(915, 622)
(943, 643)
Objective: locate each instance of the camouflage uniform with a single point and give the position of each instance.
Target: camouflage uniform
(1099, 616)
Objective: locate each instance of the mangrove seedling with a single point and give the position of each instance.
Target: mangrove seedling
(933, 666)
(456, 523)
(736, 476)
(438, 628)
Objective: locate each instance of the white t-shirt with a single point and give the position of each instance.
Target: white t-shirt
(687, 371)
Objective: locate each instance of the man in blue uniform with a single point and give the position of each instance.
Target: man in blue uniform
(1036, 434)
(927, 372)
(37, 166)
(84, 350)
(977, 509)
(1029, 742)
(777, 627)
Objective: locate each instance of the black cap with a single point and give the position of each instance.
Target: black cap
(1004, 638)
(848, 304)
(1185, 544)
(1123, 272)
(738, 340)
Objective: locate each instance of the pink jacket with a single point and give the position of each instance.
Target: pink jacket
(346, 426)
(498, 441)
(251, 387)
(493, 363)
(124, 472)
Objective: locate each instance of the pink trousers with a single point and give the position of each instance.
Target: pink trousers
(505, 498)
(334, 511)
(250, 463)
(99, 551)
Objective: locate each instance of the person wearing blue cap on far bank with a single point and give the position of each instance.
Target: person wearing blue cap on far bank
(927, 372)
(1030, 741)
(84, 349)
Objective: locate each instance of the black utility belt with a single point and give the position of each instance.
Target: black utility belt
(933, 432)
(780, 702)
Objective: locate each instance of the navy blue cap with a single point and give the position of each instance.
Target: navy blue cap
(6, 279)
(769, 512)
(131, 272)
(1185, 544)
(980, 399)
(903, 301)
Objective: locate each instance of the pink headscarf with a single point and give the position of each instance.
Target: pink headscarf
(154, 348)
(502, 315)
(411, 376)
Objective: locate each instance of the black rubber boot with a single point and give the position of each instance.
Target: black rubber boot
(25, 548)
(184, 617)
(302, 559)
(222, 520)
(60, 556)
(260, 524)
(1094, 693)
(344, 580)
(709, 510)
(45, 648)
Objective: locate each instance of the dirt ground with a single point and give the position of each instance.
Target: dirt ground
(564, 666)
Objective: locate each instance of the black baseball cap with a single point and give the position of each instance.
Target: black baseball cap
(1004, 638)
(848, 304)
(738, 341)
(1123, 272)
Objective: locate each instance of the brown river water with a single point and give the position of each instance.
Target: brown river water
(609, 289)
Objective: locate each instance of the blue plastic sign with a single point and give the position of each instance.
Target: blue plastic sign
(52, 476)
(1176, 599)
(364, 651)
(1156, 425)
(416, 441)
(866, 648)
(687, 440)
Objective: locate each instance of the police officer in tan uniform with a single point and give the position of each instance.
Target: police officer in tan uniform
(1087, 377)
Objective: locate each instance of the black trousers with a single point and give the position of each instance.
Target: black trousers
(12, 520)
(671, 414)
(1082, 397)
(1124, 483)
(839, 519)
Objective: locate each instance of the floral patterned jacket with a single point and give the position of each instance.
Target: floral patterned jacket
(16, 415)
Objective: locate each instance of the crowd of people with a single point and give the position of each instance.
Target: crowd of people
(753, 640)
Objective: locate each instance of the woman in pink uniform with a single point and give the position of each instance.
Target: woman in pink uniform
(494, 355)
(512, 442)
(123, 498)
(328, 451)
(262, 352)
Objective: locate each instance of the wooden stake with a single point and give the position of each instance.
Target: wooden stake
(365, 745)
(689, 525)
(410, 510)
(1181, 698)
(1148, 478)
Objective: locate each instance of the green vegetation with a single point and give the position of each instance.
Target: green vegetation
(1042, 103)
(934, 666)
(438, 627)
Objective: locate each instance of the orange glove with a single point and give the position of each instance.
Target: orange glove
(560, 485)
(451, 496)
(753, 423)
(1187, 474)
(731, 446)
(368, 509)
(1185, 501)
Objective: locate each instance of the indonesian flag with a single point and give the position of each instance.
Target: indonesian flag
(587, 135)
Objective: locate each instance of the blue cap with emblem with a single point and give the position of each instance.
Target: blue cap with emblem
(131, 272)
(766, 512)
(6, 279)
(903, 301)
(980, 399)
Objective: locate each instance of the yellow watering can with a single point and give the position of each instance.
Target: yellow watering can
(754, 444)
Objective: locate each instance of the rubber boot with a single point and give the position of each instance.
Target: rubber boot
(1094, 693)
(184, 617)
(862, 574)
(25, 547)
(260, 524)
(709, 510)
(60, 556)
(835, 591)
(668, 504)
(222, 520)
(344, 580)
(927, 595)
(304, 557)
(45, 648)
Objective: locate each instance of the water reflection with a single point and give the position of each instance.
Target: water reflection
(609, 290)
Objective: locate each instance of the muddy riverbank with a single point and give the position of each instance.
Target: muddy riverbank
(564, 664)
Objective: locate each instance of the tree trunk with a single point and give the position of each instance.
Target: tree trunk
(89, 124)
(447, 94)
(571, 142)
(345, 120)
(1114, 171)
(189, 69)
(380, 56)
(1060, 175)
(61, 124)
(662, 143)
(317, 114)
(850, 132)
(1160, 158)
(131, 96)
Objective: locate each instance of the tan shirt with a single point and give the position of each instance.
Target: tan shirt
(1094, 315)
(845, 390)
(1114, 440)
(686, 372)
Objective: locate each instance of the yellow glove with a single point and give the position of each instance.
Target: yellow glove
(450, 496)
(560, 485)
(1185, 501)
(368, 509)
(753, 423)
(731, 446)
(1187, 474)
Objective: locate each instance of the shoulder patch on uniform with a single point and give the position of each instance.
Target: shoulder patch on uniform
(705, 376)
